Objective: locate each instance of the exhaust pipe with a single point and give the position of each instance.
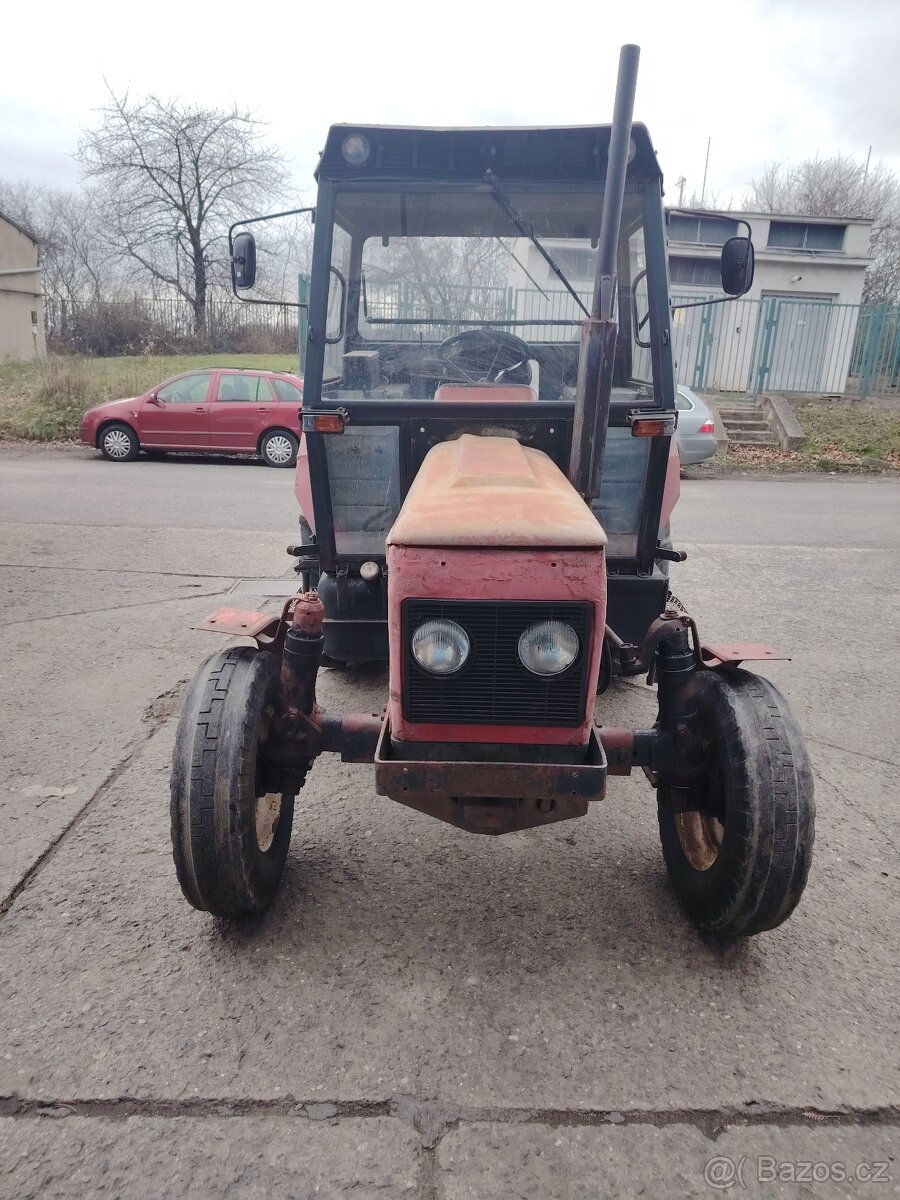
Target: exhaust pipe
(598, 336)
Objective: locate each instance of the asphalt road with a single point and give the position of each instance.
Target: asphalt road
(423, 1012)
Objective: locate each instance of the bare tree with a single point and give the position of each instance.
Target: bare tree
(841, 186)
(451, 276)
(171, 177)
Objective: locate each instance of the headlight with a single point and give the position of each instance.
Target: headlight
(440, 647)
(548, 648)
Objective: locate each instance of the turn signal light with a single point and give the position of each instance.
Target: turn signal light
(324, 422)
(652, 427)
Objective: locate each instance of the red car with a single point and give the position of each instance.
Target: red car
(217, 409)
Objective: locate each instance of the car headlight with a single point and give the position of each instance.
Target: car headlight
(440, 647)
(548, 648)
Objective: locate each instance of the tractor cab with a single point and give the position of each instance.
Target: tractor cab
(452, 274)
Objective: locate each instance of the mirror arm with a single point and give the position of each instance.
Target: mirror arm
(702, 303)
(291, 212)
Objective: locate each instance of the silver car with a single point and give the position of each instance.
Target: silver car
(695, 435)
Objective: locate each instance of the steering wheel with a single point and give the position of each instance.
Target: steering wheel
(487, 356)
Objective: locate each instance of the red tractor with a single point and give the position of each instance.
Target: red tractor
(487, 481)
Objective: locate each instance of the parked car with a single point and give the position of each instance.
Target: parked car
(221, 410)
(695, 434)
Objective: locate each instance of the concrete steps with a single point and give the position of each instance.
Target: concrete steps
(746, 425)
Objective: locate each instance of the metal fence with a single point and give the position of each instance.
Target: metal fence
(783, 344)
(138, 325)
(775, 343)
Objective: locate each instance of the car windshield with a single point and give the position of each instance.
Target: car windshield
(482, 285)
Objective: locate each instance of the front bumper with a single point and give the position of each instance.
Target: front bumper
(486, 796)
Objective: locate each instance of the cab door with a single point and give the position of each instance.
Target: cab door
(177, 414)
(241, 409)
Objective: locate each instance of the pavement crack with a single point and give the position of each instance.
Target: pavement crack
(154, 720)
(711, 1121)
(887, 762)
(86, 612)
(428, 1183)
(860, 809)
(118, 571)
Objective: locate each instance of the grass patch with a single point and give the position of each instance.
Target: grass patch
(844, 438)
(45, 401)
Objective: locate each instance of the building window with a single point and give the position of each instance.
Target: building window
(702, 231)
(799, 235)
(700, 272)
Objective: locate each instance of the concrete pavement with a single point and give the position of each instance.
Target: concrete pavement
(423, 1012)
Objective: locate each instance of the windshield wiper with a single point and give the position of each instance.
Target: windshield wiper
(528, 232)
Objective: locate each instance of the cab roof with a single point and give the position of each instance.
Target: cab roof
(562, 153)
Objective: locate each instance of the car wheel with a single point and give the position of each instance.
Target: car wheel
(278, 448)
(119, 443)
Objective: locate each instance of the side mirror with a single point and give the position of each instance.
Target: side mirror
(737, 266)
(153, 398)
(243, 260)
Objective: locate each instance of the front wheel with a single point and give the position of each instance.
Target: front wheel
(229, 836)
(119, 443)
(740, 864)
(278, 448)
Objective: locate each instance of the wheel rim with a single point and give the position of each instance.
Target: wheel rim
(701, 836)
(117, 443)
(279, 450)
(267, 816)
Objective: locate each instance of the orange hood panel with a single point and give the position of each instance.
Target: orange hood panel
(492, 491)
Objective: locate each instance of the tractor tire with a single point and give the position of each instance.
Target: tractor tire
(118, 442)
(740, 866)
(229, 840)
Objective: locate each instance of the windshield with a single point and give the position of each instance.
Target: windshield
(488, 284)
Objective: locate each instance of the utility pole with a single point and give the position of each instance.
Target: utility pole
(679, 183)
(705, 169)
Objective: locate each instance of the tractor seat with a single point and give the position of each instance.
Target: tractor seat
(510, 393)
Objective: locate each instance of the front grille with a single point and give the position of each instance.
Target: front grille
(493, 688)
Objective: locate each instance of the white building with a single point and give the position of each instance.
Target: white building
(794, 330)
(21, 306)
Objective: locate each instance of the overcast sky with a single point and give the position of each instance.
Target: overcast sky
(765, 79)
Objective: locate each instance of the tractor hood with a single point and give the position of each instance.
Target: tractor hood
(492, 491)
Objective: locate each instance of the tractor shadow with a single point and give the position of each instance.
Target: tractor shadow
(378, 877)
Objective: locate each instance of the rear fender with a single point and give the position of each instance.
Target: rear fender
(303, 485)
(672, 490)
